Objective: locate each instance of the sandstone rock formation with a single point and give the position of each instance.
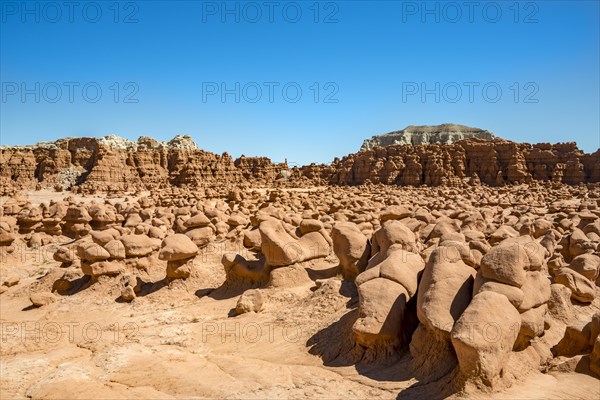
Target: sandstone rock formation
(113, 163)
(468, 155)
(493, 162)
(417, 135)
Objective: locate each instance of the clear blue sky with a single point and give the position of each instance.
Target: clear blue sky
(374, 58)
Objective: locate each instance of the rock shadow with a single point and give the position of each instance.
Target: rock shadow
(336, 346)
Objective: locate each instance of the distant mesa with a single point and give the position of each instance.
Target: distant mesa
(427, 134)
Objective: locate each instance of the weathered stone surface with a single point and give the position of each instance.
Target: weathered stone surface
(382, 304)
(177, 247)
(416, 135)
(582, 289)
(351, 247)
(480, 356)
(444, 292)
(250, 301)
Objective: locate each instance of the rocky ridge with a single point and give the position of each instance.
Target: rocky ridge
(493, 162)
(426, 134)
(115, 164)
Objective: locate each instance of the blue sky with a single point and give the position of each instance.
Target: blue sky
(298, 80)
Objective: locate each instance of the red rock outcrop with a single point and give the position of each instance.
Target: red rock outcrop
(494, 162)
(113, 163)
(116, 164)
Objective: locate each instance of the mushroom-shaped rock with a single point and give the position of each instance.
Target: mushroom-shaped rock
(91, 251)
(177, 247)
(201, 236)
(139, 245)
(281, 249)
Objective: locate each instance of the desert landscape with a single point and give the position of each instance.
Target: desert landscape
(435, 262)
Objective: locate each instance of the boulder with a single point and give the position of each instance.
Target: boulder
(505, 263)
(139, 245)
(310, 225)
(536, 290)
(351, 247)
(42, 298)
(116, 249)
(484, 336)
(444, 292)
(201, 237)
(92, 252)
(177, 247)
(576, 340)
(196, 221)
(582, 289)
(532, 326)
(281, 249)
(99, 268)
(381, 306)
(586, 265)
(392, 232)
(514, 294)
(559, 304)
(250, 301)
